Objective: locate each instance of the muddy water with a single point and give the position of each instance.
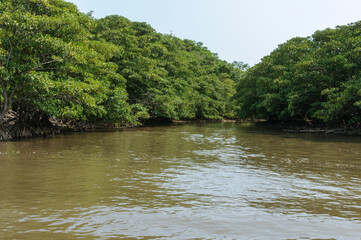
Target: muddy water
(197, 181)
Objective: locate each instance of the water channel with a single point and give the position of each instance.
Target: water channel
(188, 181)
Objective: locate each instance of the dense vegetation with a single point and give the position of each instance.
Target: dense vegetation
(315, 79)
(168, 77)
(58, 63)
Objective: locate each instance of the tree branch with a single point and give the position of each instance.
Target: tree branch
(37, 68)
(45, 69)
(9, 55)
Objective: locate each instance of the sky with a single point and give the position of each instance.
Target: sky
(237, 30)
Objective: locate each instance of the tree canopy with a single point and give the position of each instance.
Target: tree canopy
(52, 63)
(58, 62)
(168, 77)
(315, 78)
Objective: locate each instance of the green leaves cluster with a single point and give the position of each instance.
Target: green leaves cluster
(50, 62)
(60, 62)
(317, 78)
(167, 76)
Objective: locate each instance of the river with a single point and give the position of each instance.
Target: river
(188, 181)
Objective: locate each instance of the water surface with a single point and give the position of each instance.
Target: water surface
(193, 181)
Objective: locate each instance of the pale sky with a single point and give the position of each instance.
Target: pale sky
(238, 30)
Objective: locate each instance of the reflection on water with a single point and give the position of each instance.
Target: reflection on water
(210, 181)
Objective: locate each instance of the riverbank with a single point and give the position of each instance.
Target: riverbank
(306, 128)
(11, 130)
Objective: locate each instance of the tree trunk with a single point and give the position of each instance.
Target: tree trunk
(4, 131)
(5, 104)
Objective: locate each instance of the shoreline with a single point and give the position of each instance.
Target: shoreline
(304, 128)
(58, 128)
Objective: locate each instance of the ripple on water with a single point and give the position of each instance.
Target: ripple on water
(209, 181)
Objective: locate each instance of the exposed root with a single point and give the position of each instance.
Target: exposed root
(5, 135)
(15, 127)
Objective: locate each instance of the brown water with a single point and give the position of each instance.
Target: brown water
(210, 181)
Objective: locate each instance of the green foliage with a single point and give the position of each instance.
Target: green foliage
(315, 78)
(56, 61)
(170, 77)
(51, 63)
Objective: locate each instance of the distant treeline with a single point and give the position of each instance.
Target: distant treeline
(315, 79)
(58, 63)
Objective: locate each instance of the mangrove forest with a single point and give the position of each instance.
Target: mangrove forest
(61, 68)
